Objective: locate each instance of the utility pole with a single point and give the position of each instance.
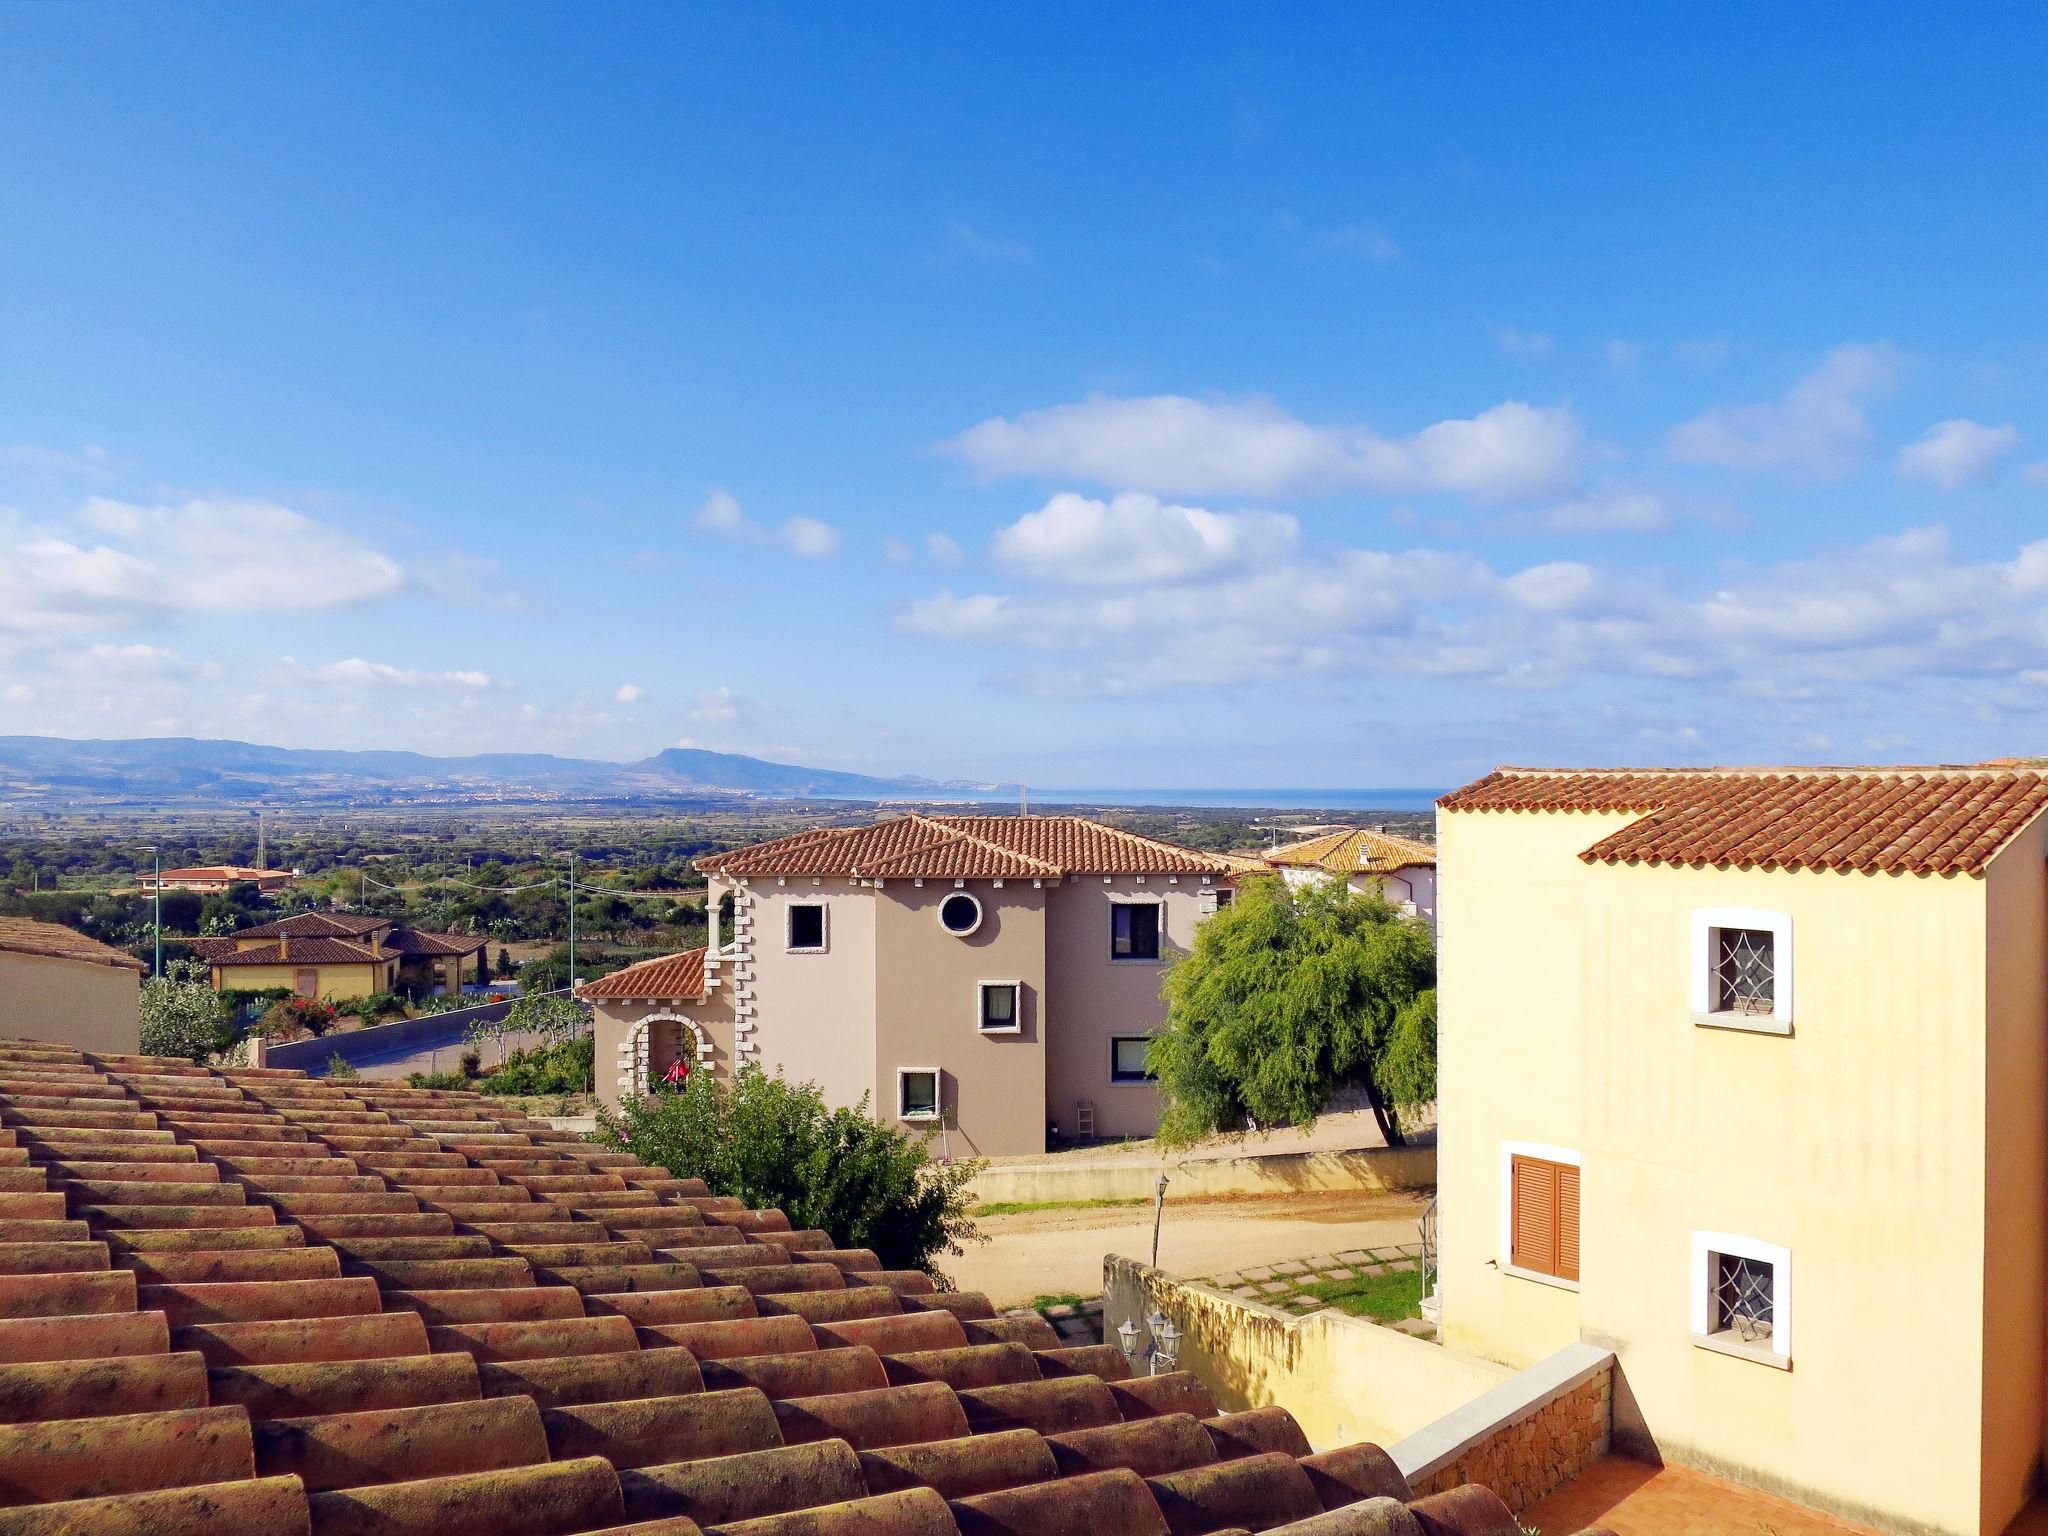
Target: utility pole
(156, 901)
(572, 920)
(262, 843)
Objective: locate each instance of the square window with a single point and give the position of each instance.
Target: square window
(1127, 1059)
(917, 1093)
(1001, 1007)
(1134, 930)
(1745, 972)
(1225, 895)
(1742, 1297)
(807, 925)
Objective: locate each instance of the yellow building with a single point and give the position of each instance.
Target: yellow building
(335, 956)
(1726, 1051)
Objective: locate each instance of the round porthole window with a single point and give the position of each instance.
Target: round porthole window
(960, 914)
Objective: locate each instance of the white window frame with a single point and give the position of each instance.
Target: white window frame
(1016, 1024)
(1544, 1151)
(939, 914)
(1119, 899)
(824, 928)
(1777, 1350)
(1129, 1082)
(937, 1112)
(1705, 920)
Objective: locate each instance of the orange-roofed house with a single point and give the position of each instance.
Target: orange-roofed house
(338, 955)
(61, 985)
(990, 976)
(1743, 1074)
(1399, 869)
(208, 879)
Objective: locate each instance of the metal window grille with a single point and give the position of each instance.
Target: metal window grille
(1745, 971)
(1744, 1297)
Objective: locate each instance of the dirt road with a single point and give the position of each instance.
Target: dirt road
(1040, 1253)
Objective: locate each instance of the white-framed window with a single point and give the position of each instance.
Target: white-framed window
(804, 927)
(1225, 895)
(960, 914)
(1539, 1212)
(917, 1093)
(1742, 969)
(999, 1007)
(1742, 1297)
(1135, 929)
(1127, 1059)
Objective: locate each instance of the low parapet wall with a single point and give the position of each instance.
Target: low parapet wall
(1445, 1418)
(1374, 1169)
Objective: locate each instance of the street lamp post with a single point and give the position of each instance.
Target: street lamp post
(156, 904)
(572, 920)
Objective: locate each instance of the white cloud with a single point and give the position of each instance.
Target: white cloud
(120, 564)
(1136, 538)
(37, 462)
(721, 510)
(1954, 453)
(808, 538)
(629, 693)
(896, 552)
(357, 673)
(1817, 427)
(715, 706)
(17, 693)
(943, 549)
(1177, 445)
(970, 241)
(1612, 509)
(1514, 342)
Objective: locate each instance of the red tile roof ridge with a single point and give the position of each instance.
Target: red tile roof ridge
(680, 975)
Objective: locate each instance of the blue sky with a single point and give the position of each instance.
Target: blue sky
(1103, 396)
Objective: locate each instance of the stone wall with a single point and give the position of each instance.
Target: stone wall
(1524, 1461)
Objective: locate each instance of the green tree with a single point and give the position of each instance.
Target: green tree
(772, 1142)
(181, 1015)
(1290, 994)
(552, 1018)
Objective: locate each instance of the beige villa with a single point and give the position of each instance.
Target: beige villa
(339, 955)
(1399, 869)
(1744, 1076)
(992, 977)
(60, 985)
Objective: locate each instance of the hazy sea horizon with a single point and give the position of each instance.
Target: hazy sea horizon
(1381, 799)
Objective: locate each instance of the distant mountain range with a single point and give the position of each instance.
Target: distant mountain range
(49, 772)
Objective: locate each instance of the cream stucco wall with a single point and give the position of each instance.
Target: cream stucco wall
(1858, 1142)
(71, 1002)
(1093, 997)
(337, 982)
(817, 1011)
(992, 1086)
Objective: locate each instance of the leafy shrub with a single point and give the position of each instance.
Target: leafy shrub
(294, 1014)
(376, 1006)
(563, 1067)
(472, 1063)
(437, 1080)
(552, 1018)
(1290, 994)
(769, 1141)
(340, 1068)
(180, 1015)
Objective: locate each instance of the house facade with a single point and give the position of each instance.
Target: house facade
(1368, 859)
(1744, 1075)
(57, 984)
(210, 879)
(988, 976)
(336, 955)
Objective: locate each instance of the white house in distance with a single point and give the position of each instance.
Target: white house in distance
(1397, 868)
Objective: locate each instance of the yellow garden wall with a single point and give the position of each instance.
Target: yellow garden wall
(1137, 1177)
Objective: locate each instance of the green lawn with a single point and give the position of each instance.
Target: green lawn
(1384, 1298)
(1020, 1207)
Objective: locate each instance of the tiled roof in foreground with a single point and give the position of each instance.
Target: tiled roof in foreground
(1897, 820)
(665, 976)
(26, 936)
(252, 1304)
(967, 847)
(1355, 851)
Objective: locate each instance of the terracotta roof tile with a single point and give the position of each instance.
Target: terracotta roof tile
(299, 951)
(665, 976)
(1943, 820)
(25, 936)
(1354, 851)
(316, 925)
(968, 847)
(410, 1363)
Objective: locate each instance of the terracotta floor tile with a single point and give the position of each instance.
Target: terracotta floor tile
(1633, 1498)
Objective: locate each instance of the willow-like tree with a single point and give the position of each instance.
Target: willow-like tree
(1290, 995)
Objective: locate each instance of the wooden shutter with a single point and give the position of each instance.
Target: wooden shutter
(1567, 1223)
(1533, 1238)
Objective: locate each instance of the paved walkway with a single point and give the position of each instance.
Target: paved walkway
(1632, 1498)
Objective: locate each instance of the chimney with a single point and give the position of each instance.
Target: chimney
(284, 946)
